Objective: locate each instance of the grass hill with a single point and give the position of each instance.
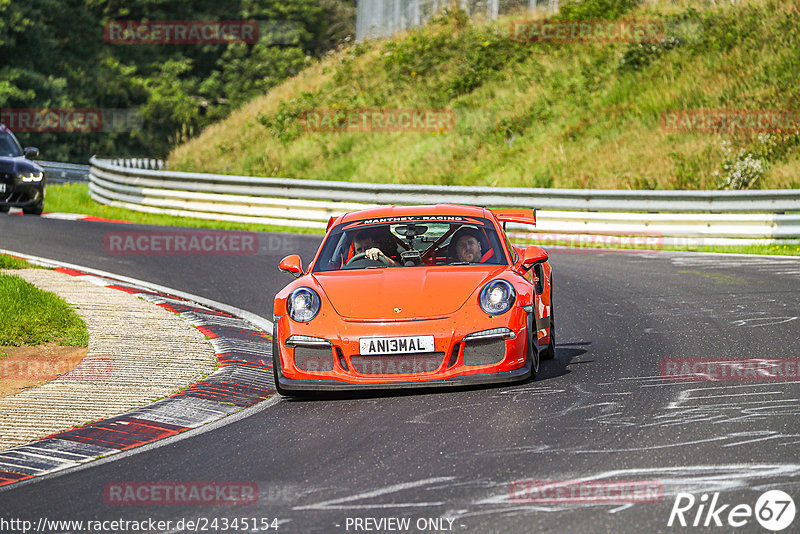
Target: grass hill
(534, 114)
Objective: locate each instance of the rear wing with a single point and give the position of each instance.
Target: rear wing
(519, 215)
(330, 222)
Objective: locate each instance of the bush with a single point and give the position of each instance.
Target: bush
(740, 171)
(285, 124)
(595, 9)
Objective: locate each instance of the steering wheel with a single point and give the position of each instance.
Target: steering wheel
(363, 255)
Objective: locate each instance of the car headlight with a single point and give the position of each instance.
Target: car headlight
(303, 304)
(497, 297)
(31, 177)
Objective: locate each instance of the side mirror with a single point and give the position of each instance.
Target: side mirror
(292, 265)
(31, 152)
(533, 256)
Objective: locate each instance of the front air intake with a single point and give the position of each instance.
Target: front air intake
(313, 358)
(484, 351)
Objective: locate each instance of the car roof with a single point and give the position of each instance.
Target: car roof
(410, 211)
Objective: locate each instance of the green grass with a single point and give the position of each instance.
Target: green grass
(10, 262)
(30, 316)
(74, 198)
(775, 249)
(570, 115)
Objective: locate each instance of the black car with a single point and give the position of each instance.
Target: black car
(22, 181)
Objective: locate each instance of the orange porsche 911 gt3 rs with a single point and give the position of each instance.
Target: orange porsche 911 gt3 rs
(414, 296)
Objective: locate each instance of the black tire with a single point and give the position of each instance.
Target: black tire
(533, 349)
(276, 362)
(34, 210)
(550, 352)
(4, 209)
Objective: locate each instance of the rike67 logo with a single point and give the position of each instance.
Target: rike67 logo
(774, 510)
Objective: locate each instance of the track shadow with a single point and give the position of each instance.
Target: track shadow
(558, 366)
(548, 370)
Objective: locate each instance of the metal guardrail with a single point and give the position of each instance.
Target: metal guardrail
(64, 172)
(713, 217)
(140, 163)
(58, 172)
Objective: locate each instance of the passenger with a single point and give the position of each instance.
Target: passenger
(466, 246)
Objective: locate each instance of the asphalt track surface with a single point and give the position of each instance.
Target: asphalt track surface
(599, 411)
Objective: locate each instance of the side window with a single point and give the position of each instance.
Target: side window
(334, 254)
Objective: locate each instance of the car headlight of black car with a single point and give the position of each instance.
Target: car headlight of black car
(303, 304)
(31, 176)
(497, 297)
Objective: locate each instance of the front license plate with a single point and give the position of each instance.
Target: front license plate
(395, 345)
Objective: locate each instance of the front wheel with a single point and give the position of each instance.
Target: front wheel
(4, 209)
(34, 210)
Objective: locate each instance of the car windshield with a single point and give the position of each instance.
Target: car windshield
(411, 242)
(9, 148)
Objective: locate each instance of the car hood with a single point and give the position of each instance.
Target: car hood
(417, 292)
(18, 165)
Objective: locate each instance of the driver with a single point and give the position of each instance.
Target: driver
(366, 241)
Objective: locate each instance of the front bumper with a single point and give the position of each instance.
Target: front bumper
(463, 380)
(459, 358)
(22, 195)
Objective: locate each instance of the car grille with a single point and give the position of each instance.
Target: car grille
(484, 351)
(398, 364)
